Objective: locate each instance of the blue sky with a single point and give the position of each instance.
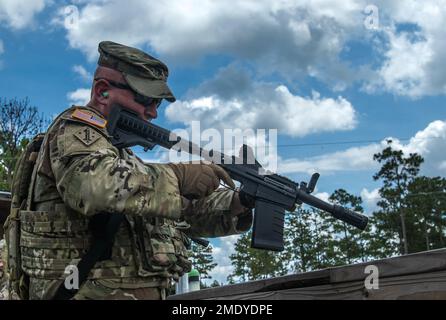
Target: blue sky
(333, 88)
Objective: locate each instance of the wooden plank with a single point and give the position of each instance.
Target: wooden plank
(417, 263)
(279, 283)
(422, 262)
(420, 286)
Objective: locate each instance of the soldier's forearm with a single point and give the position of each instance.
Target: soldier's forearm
(220, 214)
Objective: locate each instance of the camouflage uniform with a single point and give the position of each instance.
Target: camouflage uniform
(78, 174)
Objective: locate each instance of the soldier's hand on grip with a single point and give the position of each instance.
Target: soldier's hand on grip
(199, 179)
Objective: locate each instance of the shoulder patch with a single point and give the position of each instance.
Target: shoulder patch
(89, 117)
(87, 135)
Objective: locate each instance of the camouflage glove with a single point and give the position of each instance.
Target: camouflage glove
(198, 180)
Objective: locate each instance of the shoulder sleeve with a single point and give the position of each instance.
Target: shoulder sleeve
(91, 177)
(74, 139)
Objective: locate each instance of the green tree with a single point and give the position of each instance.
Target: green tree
(350, 242)
(239, 260)
(202, 260)
(4, 185)
(309, 240)
(19, 121)
(215, 284)
(378, 242)
(253, 264)
(426, 201)
(299, 240)
(396, 173)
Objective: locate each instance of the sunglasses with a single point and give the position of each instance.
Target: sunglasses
(139, 98)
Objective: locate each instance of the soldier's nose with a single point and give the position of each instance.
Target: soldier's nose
(151, 111)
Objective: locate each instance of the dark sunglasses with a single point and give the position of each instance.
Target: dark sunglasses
(139, 98)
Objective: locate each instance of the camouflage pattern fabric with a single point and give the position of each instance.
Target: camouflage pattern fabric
(2, 274)
(103, 289)
(144, 73)
(211, 217)
(78, 174)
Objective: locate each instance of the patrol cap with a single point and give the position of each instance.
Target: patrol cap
(144, 74)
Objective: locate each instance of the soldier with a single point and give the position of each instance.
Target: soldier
(79, 175)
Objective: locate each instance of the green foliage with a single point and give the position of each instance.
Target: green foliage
(19, 121)
(315, 240)
(426, 208)
(202, 260)
(349, 242)
(299, 247)
(215, 284)
(4, 185)
(253, 264)
(309, 240)
(397, 173)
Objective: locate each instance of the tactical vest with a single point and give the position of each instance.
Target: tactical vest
(44, 236)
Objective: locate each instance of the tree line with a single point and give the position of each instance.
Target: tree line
(19, 122)
(411, 217)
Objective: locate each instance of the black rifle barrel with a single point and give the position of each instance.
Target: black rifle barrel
(358, 220)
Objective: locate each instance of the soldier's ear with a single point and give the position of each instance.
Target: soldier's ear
(100, 89)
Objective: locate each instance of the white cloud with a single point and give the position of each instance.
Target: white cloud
(291, 37)
(413, 62)
(79, 97)
(83, 73)
(323, 196)
(294, 38)
(19, 14)
(370, 199)
(429, 143)
(221, 255)
(241, 103)
(404, 70)
(356, 158)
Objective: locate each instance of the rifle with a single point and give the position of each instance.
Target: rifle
(272, 194)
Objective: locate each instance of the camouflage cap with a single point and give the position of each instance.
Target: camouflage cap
(144, 73)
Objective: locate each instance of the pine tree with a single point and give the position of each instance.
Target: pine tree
(299, 248)
(426, 201)
(350, 244)
(309, 240)
(397, 172)
(202, 260)
(253, 264)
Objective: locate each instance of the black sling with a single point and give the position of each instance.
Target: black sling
(104, 227)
